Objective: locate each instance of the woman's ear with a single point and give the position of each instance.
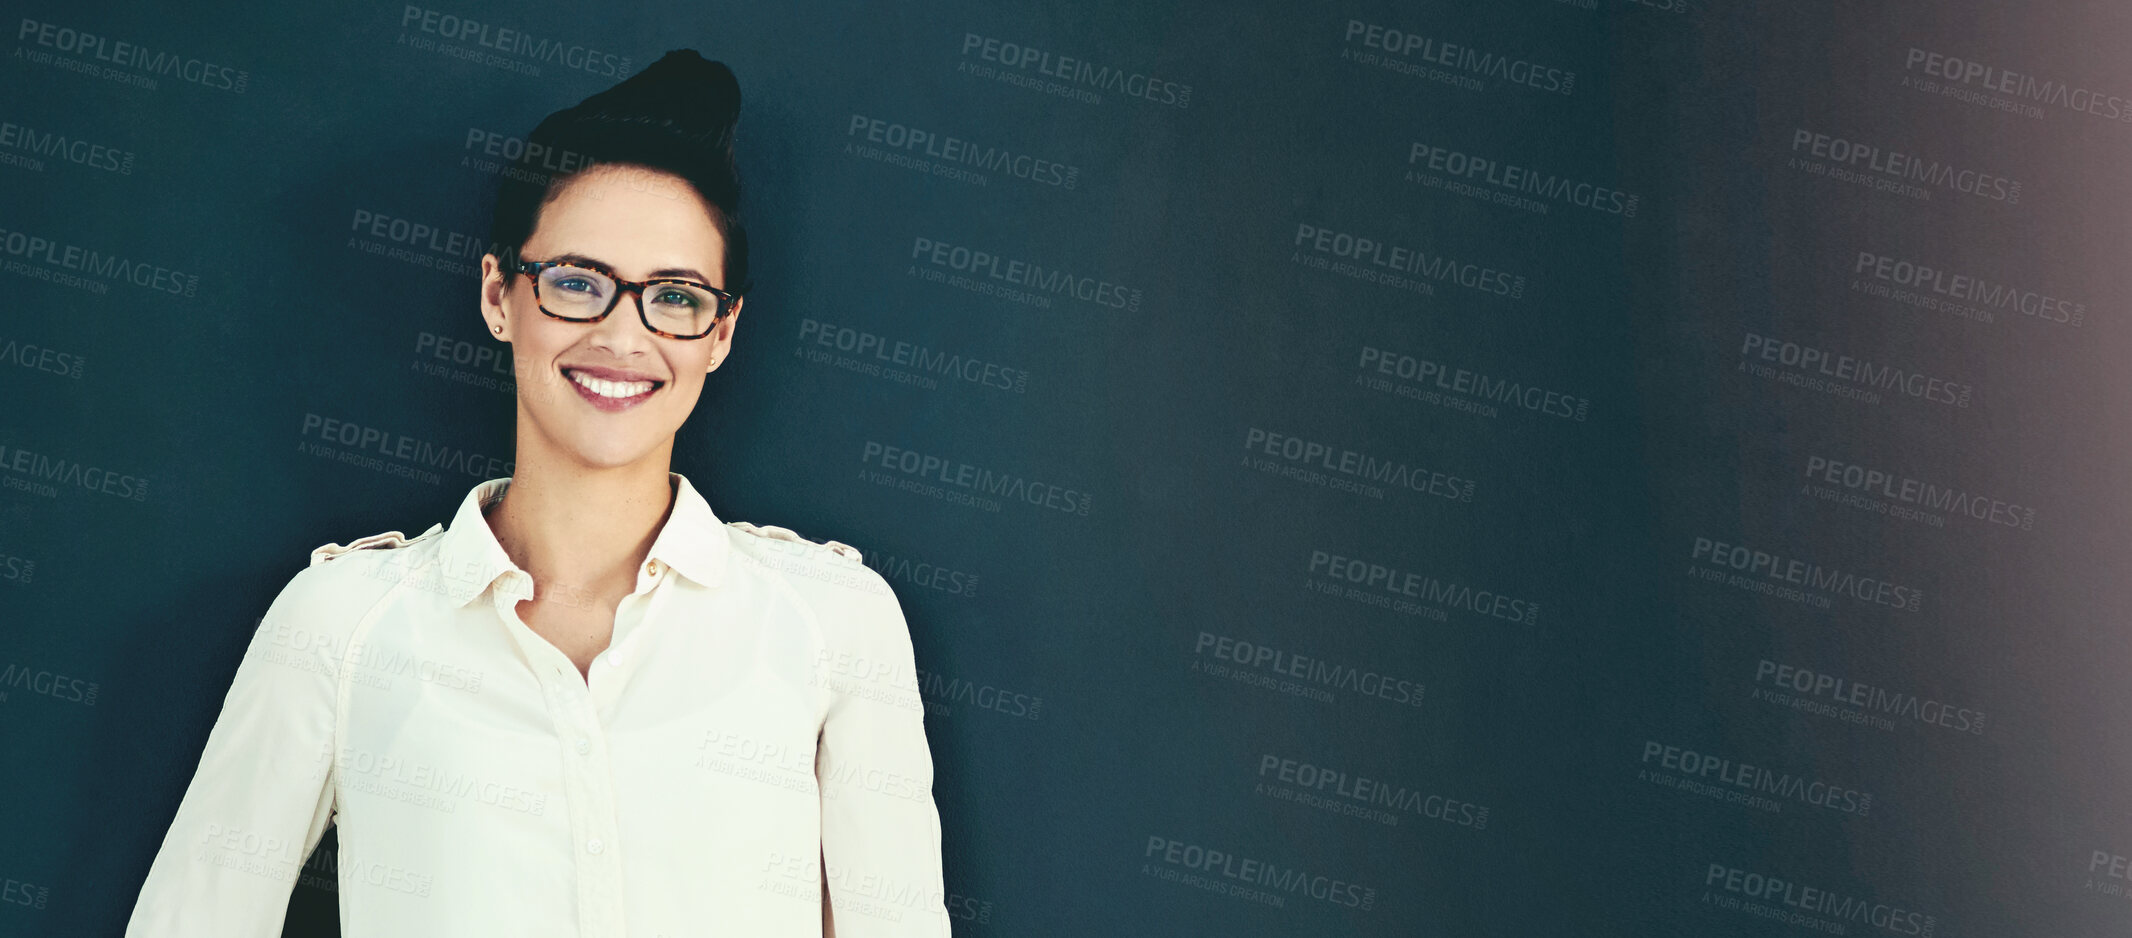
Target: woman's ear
(490, 300)
(723, 335)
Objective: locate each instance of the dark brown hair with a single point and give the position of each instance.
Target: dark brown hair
(675, 116)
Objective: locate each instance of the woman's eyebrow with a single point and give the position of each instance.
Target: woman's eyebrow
(575, 258)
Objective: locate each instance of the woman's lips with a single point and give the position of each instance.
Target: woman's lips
(608, 395)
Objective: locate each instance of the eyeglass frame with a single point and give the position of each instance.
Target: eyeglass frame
(728, 303)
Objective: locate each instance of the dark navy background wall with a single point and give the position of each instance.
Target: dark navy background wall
(1498, 468)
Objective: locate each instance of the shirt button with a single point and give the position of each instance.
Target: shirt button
(651, 568)
(584, 746)
(595, 845)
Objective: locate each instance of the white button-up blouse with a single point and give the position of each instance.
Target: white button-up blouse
(747, 756)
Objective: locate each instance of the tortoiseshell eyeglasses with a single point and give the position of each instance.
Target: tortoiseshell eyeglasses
(581, 291)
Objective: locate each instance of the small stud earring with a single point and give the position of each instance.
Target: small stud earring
(498, 329)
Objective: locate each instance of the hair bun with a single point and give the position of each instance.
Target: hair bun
(676, 116)
(682, 92)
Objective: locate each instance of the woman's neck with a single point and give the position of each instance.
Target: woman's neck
(582, 530)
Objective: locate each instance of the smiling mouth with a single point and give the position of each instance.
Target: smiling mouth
(608, 394)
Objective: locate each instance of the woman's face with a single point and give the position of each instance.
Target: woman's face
(635, 222)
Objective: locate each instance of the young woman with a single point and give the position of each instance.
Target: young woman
(587, 706)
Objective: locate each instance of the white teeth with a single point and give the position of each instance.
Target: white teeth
(614, 389)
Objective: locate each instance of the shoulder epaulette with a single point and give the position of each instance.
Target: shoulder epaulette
(779, 533)
(386, 540)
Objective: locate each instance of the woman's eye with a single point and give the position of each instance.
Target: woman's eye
(575, 284)
(677, 298)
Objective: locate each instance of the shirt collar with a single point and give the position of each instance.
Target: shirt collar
(693, 542)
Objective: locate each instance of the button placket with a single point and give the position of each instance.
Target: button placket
(588, 799)
(588, 788)
(630, 615)
(587, 777)
(538, 653)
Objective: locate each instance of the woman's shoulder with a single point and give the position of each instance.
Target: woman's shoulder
(329, 595)
(775, 538)
(822, 569)
(387, 540)
(366, 566)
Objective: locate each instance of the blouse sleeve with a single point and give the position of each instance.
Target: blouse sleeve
(261, 797)
(880, 828)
